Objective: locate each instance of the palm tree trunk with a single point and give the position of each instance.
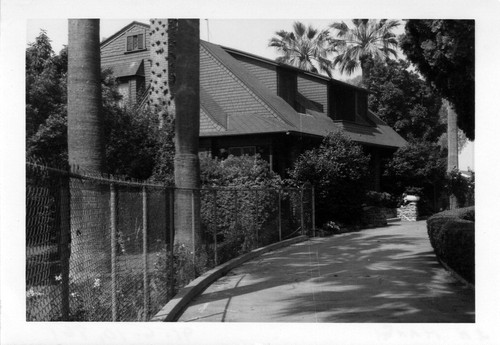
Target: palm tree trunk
(89, 253)
(160, 94)
(175, 57)
(85, 140)
(366, 64)
(187, 129)
(452, 147)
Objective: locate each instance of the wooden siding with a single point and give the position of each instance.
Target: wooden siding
(114, 51)
(264, 72)
(314, 89)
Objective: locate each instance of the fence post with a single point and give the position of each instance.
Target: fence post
(172, 231)
(113, 250)
(193, 232)
(65, 228)
(313, 197)
(302, 210)
(235, 208)
(255, 218)
(145, 249)
(279, 213)
(215, 225)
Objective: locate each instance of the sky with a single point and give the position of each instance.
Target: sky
(253, 36)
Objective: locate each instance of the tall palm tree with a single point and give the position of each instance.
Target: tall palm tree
(368, 40)
(175, 93)
(85, 139)
(306, 48)
(86, 148)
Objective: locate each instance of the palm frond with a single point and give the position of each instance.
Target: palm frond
(366, 38)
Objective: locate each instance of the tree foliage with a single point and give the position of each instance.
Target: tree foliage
(404, 101)
(368, 40)
(132, 139)
(339, 170)
(306, 48)
(443, 51)
(417, 168)
(45, 82)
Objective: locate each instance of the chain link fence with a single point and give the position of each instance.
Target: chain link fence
(101, 249)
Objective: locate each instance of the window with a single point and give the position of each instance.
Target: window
(343, 103)
(287, 85)
(241, 151)
(361, 104)
(135, 42)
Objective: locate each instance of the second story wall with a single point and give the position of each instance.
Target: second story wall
(314, 89)
(114, 52)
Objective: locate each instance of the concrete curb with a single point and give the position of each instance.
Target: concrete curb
(174, 308)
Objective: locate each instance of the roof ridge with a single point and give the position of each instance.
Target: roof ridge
(119, 32)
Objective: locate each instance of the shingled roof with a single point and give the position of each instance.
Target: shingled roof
(249, 107)
(235, 102)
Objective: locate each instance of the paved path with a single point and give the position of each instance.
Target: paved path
(386, 274)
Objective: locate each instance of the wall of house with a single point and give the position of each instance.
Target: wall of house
(114, 52)
(314, 89)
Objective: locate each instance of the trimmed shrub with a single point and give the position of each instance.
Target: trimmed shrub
(451, 234)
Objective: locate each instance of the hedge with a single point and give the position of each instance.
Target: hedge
(451, 234)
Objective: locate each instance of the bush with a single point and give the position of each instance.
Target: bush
(384, 199)
(245, 213)
(339, 171)
(417, 168)
(451, 234)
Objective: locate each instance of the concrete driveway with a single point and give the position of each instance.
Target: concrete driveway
(387, 274)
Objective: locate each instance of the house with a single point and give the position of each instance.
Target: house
(249, 104)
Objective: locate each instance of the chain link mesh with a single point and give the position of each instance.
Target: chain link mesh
(100, 249)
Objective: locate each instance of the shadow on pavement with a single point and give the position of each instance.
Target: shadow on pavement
(376, 275)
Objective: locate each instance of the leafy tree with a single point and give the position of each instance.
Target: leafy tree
(404, 100)
(306, 48)
(367, 41)
(339, 170)
(45, 82)
(419, 167)
(443, 52)
(131, 136)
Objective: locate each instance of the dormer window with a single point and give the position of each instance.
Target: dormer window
(287, 85)
(361, 104)
(135, 42)
(348, 103)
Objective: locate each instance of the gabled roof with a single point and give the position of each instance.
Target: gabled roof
(236, 102)
(112, 37)
(285, 118)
